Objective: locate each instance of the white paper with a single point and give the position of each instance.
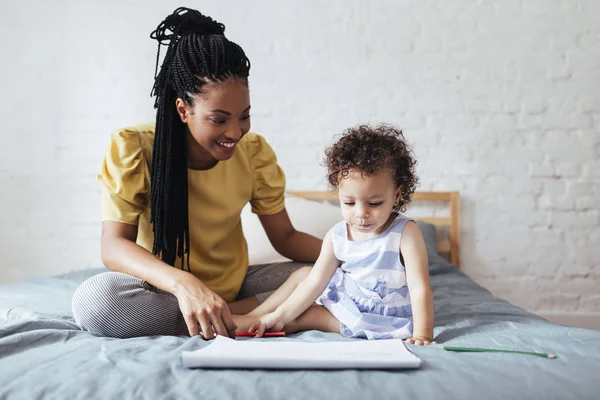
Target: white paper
(251, 353)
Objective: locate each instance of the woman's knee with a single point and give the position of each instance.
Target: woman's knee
(98, 299)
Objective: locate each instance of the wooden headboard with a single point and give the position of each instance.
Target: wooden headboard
(451, 223)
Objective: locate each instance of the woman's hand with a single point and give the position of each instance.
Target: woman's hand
(272, 321)
(420, 341)
(201, 307)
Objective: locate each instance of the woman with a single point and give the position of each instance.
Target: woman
(173, 193)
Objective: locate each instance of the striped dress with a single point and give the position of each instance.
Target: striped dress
(368, 292)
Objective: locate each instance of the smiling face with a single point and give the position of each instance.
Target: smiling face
(367, 202)
(216, 121)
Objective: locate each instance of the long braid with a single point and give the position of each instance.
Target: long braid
(197, 53)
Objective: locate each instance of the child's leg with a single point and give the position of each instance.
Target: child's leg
(281, 294)
(241, 307)
(317, 318)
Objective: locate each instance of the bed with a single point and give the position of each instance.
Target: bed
(43, 354)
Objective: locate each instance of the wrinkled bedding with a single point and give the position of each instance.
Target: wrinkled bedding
(43, 354)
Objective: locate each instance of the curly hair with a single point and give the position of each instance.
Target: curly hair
(369, 150)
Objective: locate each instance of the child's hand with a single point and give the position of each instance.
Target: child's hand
(420, 341)
(271, 321)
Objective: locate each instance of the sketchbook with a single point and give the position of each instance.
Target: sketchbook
(224, 352)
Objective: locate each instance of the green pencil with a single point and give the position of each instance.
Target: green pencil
(480, 350)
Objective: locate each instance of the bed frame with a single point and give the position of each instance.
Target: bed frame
(450, 223)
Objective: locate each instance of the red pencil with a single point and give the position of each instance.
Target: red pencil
(266, 334)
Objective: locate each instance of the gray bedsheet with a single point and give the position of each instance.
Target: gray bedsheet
(44, 355)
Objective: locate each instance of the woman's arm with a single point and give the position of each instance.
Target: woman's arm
(199, 305)
(414, 252)
(289, 242)
(120, 253)
(305, 293)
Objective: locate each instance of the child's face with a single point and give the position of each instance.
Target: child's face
(217, 121)
(367, 201)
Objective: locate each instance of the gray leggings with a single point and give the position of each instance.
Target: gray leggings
(119, 305)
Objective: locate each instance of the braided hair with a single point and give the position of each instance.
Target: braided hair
(197, 54)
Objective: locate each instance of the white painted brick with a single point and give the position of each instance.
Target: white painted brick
(591, 169)
(503, 123)
(572, 219)
(565, 41)
(595, 121)
(517, 241)
(534, 105)
(582, 262)
(426, 44)
(564, 146)
(571, 284)
(542, 263)
(589, 104)
(553, 301)
(529, 121)
(586, 59)
(539, 301)
(476, 269)
(587, 203)
(541, 170)
(504, 214)
(560, 72)
(590, 303)
(536, 8)
(588, 39)
(499, 100)
(568, 105)
(567, 169)
(504, 160)
(549, 238)
(412, 124)
(483, 105)
(589, 188)
(509, 284)
(555, 188)
(555, 196)
(553, 121)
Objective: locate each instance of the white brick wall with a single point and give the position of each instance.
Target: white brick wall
(501, 100)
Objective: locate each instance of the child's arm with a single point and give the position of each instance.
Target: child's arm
(413, 251)
(305, 293)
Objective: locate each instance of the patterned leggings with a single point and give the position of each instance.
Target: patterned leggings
(119, 305)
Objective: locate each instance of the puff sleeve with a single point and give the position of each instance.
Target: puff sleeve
(125, 179)
(269, 181)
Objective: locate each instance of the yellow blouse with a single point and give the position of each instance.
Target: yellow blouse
(218, 250)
